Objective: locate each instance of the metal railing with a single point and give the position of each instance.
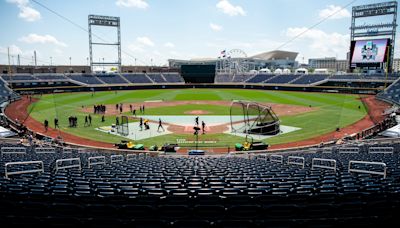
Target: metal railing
(332, 161)
(262, 156)
(383, 173)
(292, 161)
(276, 158)
(23, 171)
(45, 150)
(67, 150)
(117, 158)
(381, 150)
(348, 150)
(60, 161)
(131, 157)
(327, 150)
(102, 158)
(13, 150)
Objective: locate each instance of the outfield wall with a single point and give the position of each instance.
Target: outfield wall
(283, 87)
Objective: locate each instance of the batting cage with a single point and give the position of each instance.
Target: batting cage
(253, 118)
(123, 128)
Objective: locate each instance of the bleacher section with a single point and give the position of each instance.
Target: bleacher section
(310, 79)
(346, 77)
(111, 78)
(392, 93)
(136, 77)
(156, 77)
(84, 78)
(18, 77)
(173, 77)
(260, 78)
(5, 92)
(326, 188)
(242, 77)
(51, 77)
(98, 79)
(283, 78)
(223, 77)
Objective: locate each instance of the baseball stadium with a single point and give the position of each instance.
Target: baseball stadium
(238, 140)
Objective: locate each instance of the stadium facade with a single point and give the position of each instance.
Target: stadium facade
(330, 63)
(271, 60)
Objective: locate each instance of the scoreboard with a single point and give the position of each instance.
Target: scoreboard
(198, 73)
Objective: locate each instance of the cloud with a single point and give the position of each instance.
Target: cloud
(215, 27)
(320, 43)
(169, 45)
(227, 8)
(43, 39)
(334, 12)
(26, 12)
(145, 41)
(140, 4)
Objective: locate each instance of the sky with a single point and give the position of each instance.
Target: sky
(153, 31)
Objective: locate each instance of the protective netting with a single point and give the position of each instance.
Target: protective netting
(123, 127)
(253, 118)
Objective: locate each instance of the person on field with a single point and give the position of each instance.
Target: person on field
(90, 120)
(46, 124)
(86, 121)
(203, 126)
(102, 118)
(141, 122)
(56, 123)
(117, 121)
(197, 121)
(134, 112)
(160, 125)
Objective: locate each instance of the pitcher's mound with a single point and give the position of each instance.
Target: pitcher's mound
(197, 112)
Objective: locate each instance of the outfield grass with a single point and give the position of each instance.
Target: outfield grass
(334, 110)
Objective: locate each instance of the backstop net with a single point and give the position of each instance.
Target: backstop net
(123, 127)
(253, 118)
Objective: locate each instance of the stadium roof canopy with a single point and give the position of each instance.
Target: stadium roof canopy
(277, 54)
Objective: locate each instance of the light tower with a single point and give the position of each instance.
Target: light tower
(98, 20)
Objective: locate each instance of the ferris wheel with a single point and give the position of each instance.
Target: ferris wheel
(237, 53)
(237, 61)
